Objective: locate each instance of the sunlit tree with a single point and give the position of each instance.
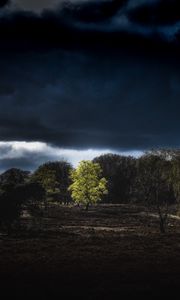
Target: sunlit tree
(88, 185)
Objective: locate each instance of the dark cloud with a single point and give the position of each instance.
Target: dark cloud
(91, 75)
(93, 11)
(107, 23)
(3, 3)
(162, 12)
(36, 6)
(75, 99)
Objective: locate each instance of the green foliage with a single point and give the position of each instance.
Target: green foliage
(47, 179)
(88, 185)
(54, 178)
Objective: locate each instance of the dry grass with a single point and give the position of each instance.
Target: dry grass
(107, 253)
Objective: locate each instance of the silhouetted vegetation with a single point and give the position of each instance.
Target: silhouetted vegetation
(153, 186)
(120, 172)
(152, 180)
(51, 245)
(54, 177)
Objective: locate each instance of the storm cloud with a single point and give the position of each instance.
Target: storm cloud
(3, 3)
(78, 23)
(80, 100)
(29, 155)
(90, 74)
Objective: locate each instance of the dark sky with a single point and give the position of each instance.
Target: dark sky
(100, 74)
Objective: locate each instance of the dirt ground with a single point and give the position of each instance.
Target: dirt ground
(110, 252)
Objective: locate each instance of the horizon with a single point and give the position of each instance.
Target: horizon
(29, 155)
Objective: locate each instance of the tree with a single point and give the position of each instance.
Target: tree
(12, 196)
(152, 183)
(173, 156)
(14, 177)
(120, 172)
(32, 195)
(54, 178)
(175, 178)
(10, 208)
(14, 199)
(88, 185)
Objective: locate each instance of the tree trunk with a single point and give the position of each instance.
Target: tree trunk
(87, 206)
(162, 227)
(160, 213)
(162, 220)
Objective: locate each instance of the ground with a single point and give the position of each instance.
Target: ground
(110, 252)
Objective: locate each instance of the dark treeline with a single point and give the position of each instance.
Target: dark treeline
(152, 180)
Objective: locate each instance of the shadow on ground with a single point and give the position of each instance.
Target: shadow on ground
(110, 252)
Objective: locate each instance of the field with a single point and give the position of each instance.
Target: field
(109, 252)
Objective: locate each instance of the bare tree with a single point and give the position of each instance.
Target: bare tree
(153, 184)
